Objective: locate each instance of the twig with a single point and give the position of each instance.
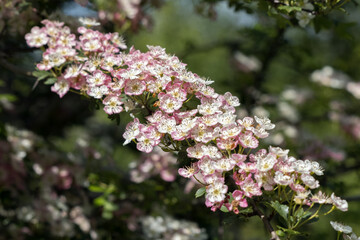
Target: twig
(14, 68)
(266, 222)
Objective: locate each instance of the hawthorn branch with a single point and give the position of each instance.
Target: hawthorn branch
(13, 68)
(266, 222)
(276, 3)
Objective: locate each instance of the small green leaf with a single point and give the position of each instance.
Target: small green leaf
(246, 210)
(99, 201)
(291, 232)
(8, 97)
(40, 75)
(111, 188)
(283, 210)
(94, 188)
(107, 214)
(50, 81)
(224, 209)
(200, 192)
(280, 233)
(109, 206)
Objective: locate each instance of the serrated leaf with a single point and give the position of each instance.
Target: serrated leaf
(50, 81)
(40, 75)
(283, 210)
(289, 9)
(200, 192)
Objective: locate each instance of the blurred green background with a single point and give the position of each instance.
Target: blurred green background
(64, 173)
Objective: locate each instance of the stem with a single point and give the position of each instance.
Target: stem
(221, 227)
(266, 222)
(312, 216)
(199, 181)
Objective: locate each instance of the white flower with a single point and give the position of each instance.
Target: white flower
(266, 163)
(216, 192)
(341, 227)
(354, 89)
(304, 18)
(132, 131)
(88, 22)
(167, 125)
(339, 203)
(225, 164)
(351, 237)
(310, 181)
(231, 100)
(264, 122)
(207, 166)
(227, 118)
(282, 179)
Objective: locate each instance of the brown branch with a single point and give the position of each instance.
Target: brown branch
(13, 68)
(266, 222)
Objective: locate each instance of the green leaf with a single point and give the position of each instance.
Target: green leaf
(50, 81)
(224, 209)
(283, 210)
(246, 210)
(109, 206)
(200, 192)
(111, 188)
(107, 214)
(291, 232)
(289, 9)
(300, 214)
(94, 188)
(8, 97)
(99, 201)
(280, 233)
(40, 75)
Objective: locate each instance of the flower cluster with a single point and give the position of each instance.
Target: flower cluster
(184, 114)
(347, 231)
(168, 228)
(48, 204)
(157, 162)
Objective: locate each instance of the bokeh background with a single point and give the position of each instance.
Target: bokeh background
(64, 173)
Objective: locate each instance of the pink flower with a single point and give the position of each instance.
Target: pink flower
(247, 140)
(112, 104)
(168, 103)
(227, 144)
(145, 144)
(37, 37)
(188, 172)
(134, 87)
(97, 78)
(250, 188)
